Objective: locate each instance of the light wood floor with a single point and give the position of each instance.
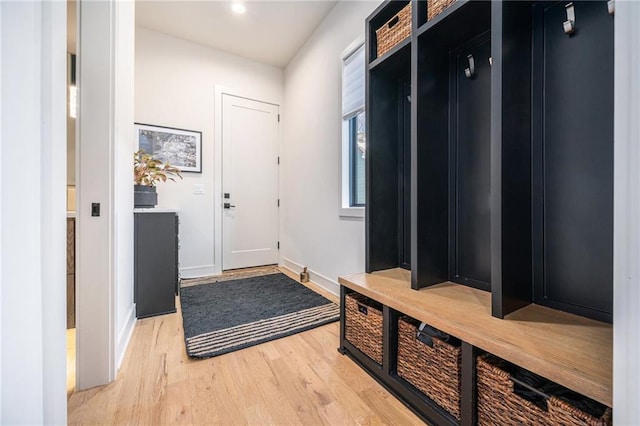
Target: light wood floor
(300, 379)
(233, 274)
(71, 361)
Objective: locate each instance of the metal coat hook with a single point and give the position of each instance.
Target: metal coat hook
(471, 71)
(569, 26)
(611, 6)
(490, 61)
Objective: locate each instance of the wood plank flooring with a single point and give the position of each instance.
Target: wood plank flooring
(300, 379)
(71, 361)
(233, 274)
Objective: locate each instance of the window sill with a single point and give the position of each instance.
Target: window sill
(352, 212)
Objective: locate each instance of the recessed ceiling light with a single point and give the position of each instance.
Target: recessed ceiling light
(238, 8)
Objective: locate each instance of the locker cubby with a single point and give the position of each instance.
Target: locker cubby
(452, 149)
(552, 158)
(387, 167)
(573, 159)
(376, 20)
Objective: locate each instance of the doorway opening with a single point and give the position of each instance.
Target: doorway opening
(72, 114)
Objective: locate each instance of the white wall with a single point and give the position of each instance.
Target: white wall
(2, 73)
(312, 233)
(104, 250)
(123, 175)
(626, 337)
(175, 83)
(32, 221)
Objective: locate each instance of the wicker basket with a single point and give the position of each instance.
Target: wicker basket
(434, 7)
(394, 31)
(499, 404)
(363, 320)
(433, 370)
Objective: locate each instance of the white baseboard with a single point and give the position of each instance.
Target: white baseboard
(198, 271)
(125, 336)
(316, 278)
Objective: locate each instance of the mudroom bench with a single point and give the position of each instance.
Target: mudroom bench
(454, 379)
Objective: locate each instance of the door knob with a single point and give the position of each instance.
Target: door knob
(228, 205)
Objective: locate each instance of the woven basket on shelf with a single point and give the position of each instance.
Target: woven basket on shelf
(434, 7)
(499, 404)
(433, 370)
(363, 321)
(393, 31)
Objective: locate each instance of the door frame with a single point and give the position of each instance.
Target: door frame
(217, 166)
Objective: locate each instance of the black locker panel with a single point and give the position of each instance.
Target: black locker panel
(381, 171)
(470, 169)
(573, 159)
(404, 176)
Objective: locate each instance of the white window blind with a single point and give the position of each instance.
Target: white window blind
(353, 84)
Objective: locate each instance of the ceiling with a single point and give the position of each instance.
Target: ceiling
(270, 32)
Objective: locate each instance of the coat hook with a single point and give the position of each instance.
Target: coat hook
(471, 71)
(490, 61)
(611, 6)
(569, 25)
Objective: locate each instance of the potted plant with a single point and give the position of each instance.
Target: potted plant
(147, 172)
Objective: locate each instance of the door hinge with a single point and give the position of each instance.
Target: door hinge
(278, 159)
(278, 245)
(278, 202)
(278, 118)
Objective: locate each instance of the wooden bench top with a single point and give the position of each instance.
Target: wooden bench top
(573, 351)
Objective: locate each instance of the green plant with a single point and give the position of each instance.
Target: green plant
(148, 171)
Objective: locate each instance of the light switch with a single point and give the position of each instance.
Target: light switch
(198, 188)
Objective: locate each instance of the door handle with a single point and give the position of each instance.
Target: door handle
(227, 205)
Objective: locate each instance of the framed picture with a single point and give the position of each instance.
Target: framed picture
(181, 148)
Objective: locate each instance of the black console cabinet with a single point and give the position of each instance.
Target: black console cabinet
(156, 262)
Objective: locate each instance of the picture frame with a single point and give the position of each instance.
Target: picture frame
(181, 148)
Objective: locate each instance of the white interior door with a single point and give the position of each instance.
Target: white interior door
(249, 183)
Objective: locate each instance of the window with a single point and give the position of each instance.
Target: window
(353, 131)
(357, 149)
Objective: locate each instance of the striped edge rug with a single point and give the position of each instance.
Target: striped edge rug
(209, 344)
(227, 316)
